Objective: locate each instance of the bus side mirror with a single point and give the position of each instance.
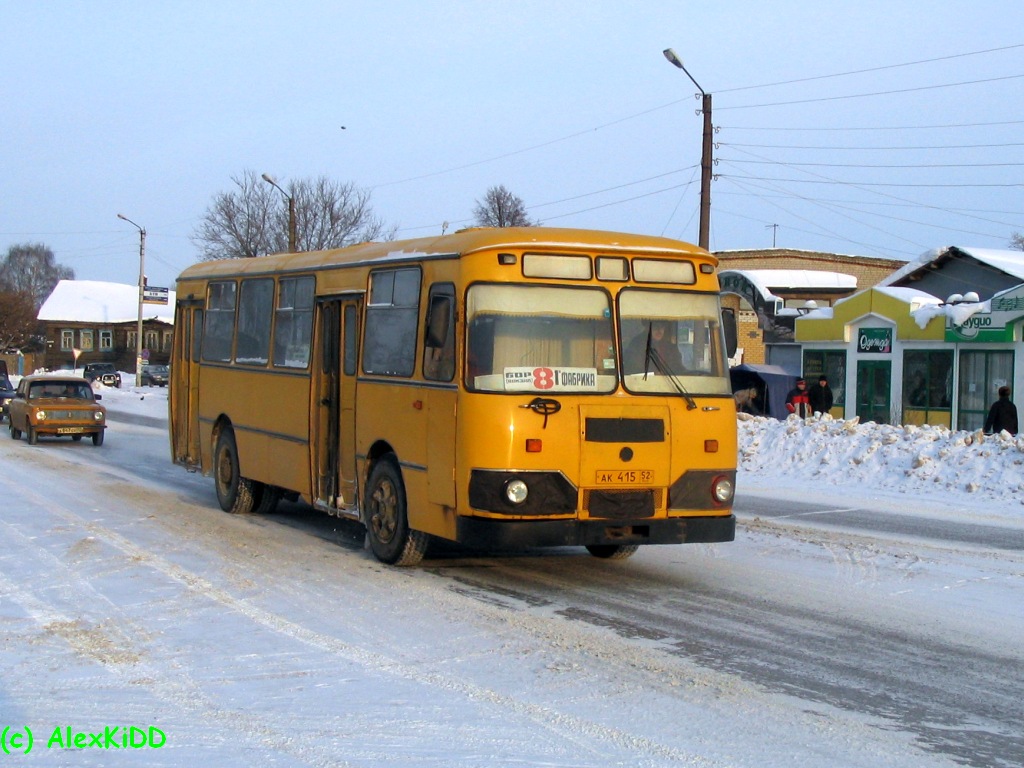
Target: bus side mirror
(437, 323)
(729, 327)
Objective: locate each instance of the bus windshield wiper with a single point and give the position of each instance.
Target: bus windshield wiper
(654, 356)
(648, 349)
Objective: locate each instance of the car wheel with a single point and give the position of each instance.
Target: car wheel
(612, 551)
(97, 438)
(33, 438)
(15, 433)
(234, 492)
(76, 438)
(387, 520)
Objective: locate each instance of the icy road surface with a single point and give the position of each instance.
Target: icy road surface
(127, 598)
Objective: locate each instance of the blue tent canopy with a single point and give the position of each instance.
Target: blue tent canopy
(772, 382)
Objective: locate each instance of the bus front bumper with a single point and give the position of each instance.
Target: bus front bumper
(489, 534)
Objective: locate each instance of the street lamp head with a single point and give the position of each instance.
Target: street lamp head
(125, 218)
(676, 61)
(269, 179)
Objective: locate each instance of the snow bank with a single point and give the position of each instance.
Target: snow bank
(910, 459)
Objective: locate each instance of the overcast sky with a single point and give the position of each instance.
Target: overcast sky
(149, 109)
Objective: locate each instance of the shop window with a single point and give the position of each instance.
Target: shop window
(982, 373)
(831, 362)
(927, 387)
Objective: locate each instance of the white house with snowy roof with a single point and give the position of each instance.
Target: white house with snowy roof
(97, 321)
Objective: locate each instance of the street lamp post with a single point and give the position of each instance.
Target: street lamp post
(142, 292)
(705, 155)
(292, 245)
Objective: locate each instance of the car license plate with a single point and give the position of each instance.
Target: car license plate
(625, 477)
(70, 430)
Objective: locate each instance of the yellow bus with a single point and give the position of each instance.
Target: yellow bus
(499, 388)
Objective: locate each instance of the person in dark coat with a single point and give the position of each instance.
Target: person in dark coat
(797, 400)
(820, 396)
(1002, 415)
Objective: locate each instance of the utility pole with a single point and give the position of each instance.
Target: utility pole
(774, 228)
(706, 159)
(142, 293)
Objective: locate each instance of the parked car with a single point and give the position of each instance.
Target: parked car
(155, 375)
(58, 406)
(6, 394)
(105, 373)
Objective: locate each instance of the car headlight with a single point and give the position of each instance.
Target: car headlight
(98, 415)
(516, 491)
(40, 415)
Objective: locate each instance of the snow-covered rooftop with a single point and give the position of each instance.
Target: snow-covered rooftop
(93, 301)
(765, 279)
(1008, 261)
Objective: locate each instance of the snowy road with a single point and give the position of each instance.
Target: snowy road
(128, 599)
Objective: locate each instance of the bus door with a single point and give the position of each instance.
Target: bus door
(439, 368)
(334, 399)
(184, 379)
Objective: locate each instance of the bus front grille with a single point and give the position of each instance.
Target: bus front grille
(623, 504)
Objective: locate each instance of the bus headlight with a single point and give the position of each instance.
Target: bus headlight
(722, 490)
(516, 491)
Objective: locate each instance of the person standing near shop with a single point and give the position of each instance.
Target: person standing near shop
(820, 397)
(1002, 415)
(797, 400)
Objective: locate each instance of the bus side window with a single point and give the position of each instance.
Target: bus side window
(439, 336)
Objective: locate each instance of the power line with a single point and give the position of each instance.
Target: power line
(873, 149)
(879, 183)
(871, 69)
(883, 165)
(875, 127)
(868, 95)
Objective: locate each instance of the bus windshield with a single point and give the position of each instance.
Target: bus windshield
(672, 342)
(524, 338)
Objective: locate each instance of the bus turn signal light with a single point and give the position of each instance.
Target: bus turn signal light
(710, 446)
(533, 445)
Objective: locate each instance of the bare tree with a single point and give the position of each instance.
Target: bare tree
(1017, 241)
(500, 208)
(32, 269)
(252, 220)
(18, 325)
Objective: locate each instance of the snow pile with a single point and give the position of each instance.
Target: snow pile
(919, 460)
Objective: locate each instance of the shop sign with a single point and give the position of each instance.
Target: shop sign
(874, 340)
(995, 325)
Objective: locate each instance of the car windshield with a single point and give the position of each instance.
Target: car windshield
(539, 339)
(66, 389)
(672, 342)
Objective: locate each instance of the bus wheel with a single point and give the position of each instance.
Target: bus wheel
(387, 523)
(612, 551)
(234, 492)
(265, 498)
